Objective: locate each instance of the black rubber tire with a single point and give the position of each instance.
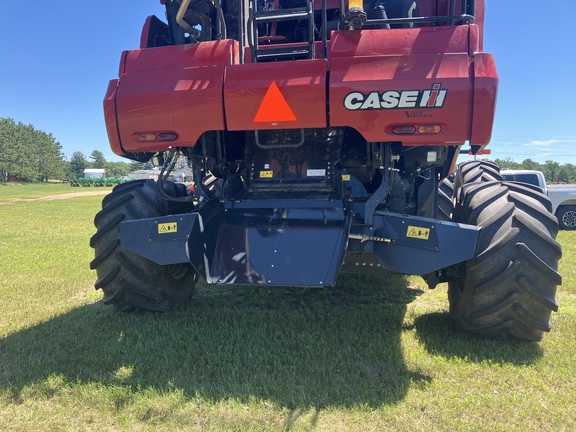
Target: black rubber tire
(509, 288)
(129, 281)
(476, 171)
(566, 217)
(468, 172)
(446, 199)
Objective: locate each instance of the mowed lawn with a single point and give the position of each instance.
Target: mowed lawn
(369, 355)
(12, 191)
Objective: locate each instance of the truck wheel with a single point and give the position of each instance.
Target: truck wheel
(509, 288)
(129, 281)
(566, 217)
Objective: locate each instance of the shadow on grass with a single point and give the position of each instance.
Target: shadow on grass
(330, 347)
(440, 335)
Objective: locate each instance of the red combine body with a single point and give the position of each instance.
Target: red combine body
(322, 136)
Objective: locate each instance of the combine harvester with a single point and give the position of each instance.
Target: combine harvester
(320, 133)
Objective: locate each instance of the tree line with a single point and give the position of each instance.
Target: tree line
(553, 171)
(28, 154)
(31, 155)
(78, 163)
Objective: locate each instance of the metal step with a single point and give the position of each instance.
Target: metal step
(281, 15)
(268, 53)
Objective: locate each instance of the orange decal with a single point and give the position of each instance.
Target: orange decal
(274, 107)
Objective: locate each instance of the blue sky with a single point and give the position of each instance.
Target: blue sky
(58, 56)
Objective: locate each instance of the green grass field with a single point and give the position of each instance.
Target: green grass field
(369, 355)
(18, 190)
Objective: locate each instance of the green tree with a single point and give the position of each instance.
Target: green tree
(98, 160)
(135, 166)
(118, 169)
(49, 157)
(28, 154)
(551, 171)
(568, 173)
(8, 149)
(14, 149)
(529, 164)
(78, 164)
(26, 167)
(507, 163)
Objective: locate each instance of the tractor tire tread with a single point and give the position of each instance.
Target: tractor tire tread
(129, 281)
(509, 289)
(445, 199)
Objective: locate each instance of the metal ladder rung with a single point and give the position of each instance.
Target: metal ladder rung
(283, 52)
(284, 15)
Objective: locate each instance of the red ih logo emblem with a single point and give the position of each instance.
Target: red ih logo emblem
(433, 98)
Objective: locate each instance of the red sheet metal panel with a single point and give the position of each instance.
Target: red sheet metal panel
(172, 89)
(485, 91)
(110, 118)
(416, 77)
(276, 95)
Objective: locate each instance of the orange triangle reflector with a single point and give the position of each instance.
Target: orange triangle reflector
(274, 107)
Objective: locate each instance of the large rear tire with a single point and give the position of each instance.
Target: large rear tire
(509, 288)
(446, 199)
(129, 281)
(475, 171)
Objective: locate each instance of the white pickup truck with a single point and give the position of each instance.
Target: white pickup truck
(563, 197)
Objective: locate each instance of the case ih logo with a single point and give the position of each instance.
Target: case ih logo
(392, 99)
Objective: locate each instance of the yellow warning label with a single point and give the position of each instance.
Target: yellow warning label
(418, 232)
(345, 177)
(166, 228)
(266, 174)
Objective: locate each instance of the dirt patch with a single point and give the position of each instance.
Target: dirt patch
(57, 197)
